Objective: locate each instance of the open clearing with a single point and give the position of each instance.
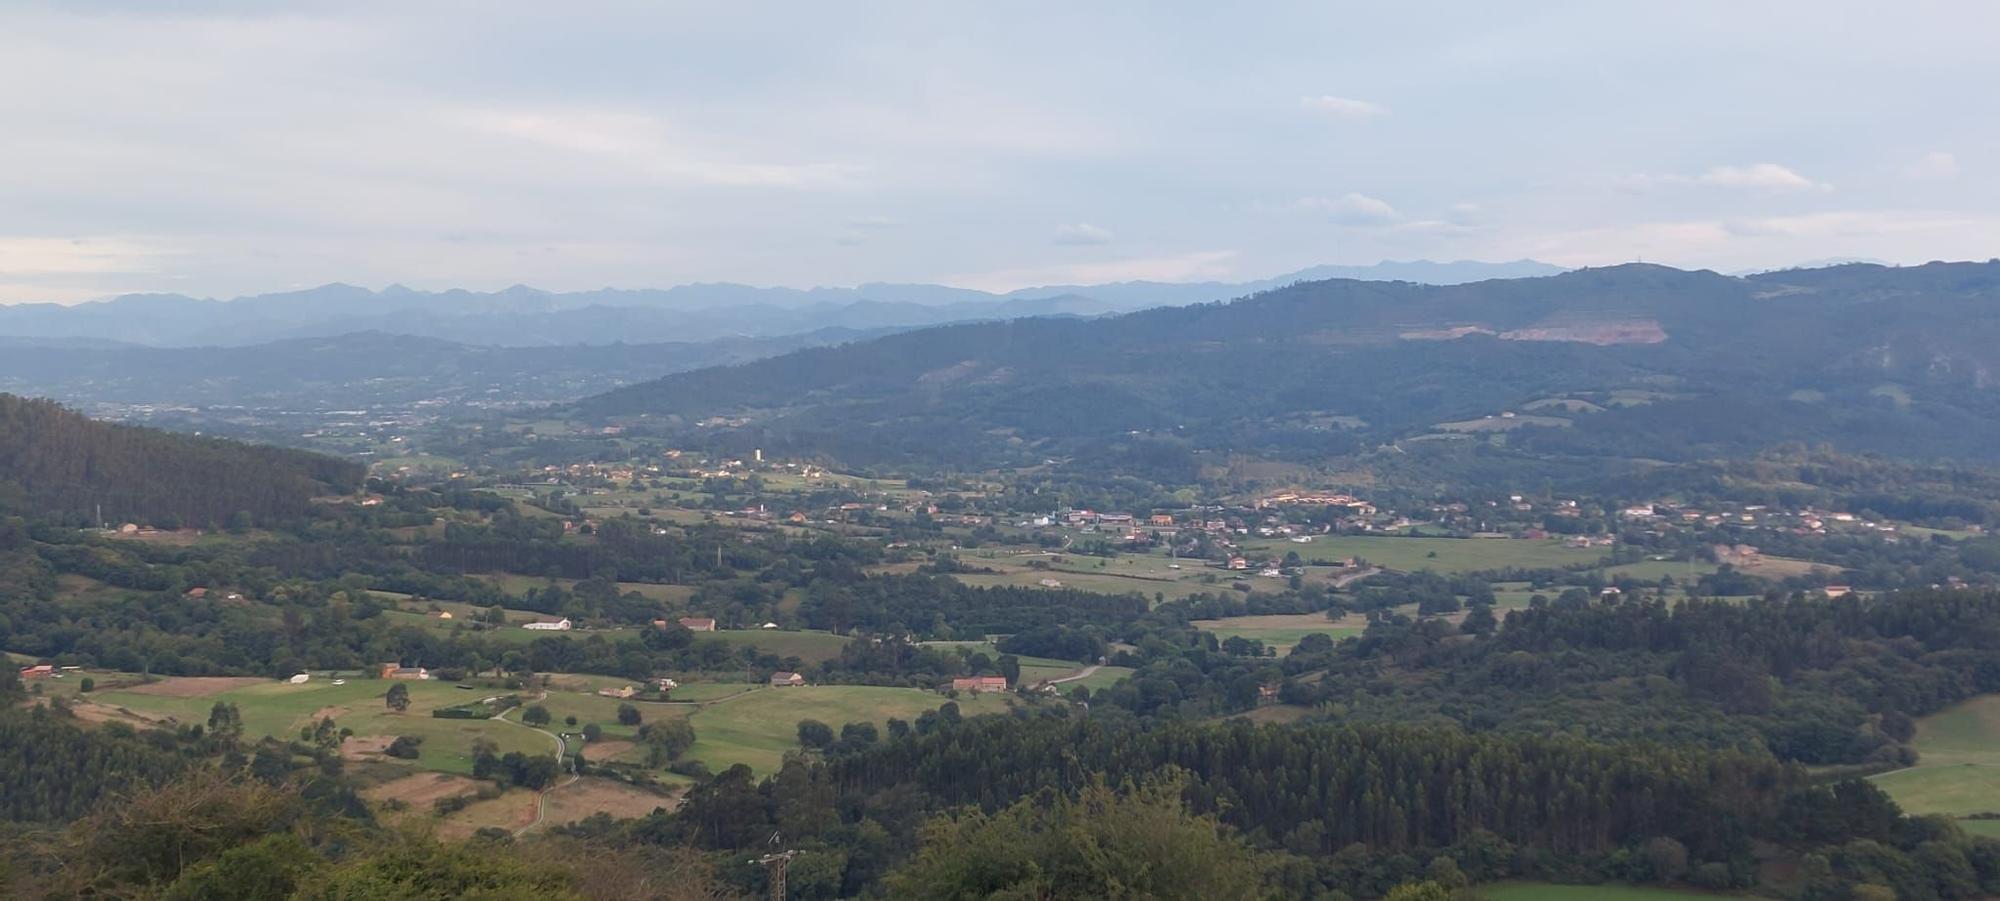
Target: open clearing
(511, 811)
(591, 795)
(280, 709)
(1033, 669)
(1651, 570)
(759, 727)
(811, 647)
(1283, 630)
(421, 790)
(1781, 567)
(1141, 574)
(195, 686)
(1958, 762)
(1444, 555)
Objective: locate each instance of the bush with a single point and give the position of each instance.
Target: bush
(693, 769)
(1711, 876)
(405, 747)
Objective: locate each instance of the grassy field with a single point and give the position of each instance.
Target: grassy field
(672, 594)
(1104, 678)
(1033, 669)
(1958, 765)
(1548, 891)
(1445, 555)
(735, 723)
(811, 647)
(1144, 575)
(1281, 630)
(1986, 828)
(758, 728)
(1652, 570)
(281, 709)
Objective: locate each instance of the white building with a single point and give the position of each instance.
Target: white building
(561, 625)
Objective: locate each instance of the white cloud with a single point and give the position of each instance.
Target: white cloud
(1197, 266)
(1936, 165)
(1762, 177)
(1342, 107)
(1354, 209)
(1082, 233)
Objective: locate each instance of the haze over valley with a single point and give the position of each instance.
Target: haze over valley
(919, 451)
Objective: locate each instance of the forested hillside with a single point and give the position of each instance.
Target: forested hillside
(1629, 361)
(58, 464)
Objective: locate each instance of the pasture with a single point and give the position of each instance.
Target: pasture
(1652, 570)
(1444, 555)
(280, 709)
(1958, 762)
(759, 727)
(811, 647)
(1033, 669)
(575, 801)
(1282, 630)
(1146, 575)
(1105, 677)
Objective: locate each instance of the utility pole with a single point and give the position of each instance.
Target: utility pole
(776, 862)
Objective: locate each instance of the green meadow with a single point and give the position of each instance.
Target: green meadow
(1958, 762)
(759, 727)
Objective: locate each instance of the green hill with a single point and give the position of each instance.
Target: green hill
(60, 464)
(1684, 365)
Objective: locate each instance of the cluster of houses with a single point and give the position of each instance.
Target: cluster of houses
(1800, 521)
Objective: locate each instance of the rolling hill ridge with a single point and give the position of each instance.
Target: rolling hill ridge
(1637, 361)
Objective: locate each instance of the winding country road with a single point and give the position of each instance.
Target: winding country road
(562, 748)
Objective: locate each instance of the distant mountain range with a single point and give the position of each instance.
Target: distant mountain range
(361, 370)
(527, 317)
(1633, 362)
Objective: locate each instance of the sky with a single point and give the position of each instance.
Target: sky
(222, 148)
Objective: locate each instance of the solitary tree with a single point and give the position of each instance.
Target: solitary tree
(535, 715)
(398, 697)
(815, 734)
(628, 715)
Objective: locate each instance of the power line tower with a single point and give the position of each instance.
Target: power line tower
(776, 862)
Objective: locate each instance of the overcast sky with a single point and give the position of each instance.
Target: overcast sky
(221, 149)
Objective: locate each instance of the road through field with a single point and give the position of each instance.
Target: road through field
(542, 798)
(1084, 673)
